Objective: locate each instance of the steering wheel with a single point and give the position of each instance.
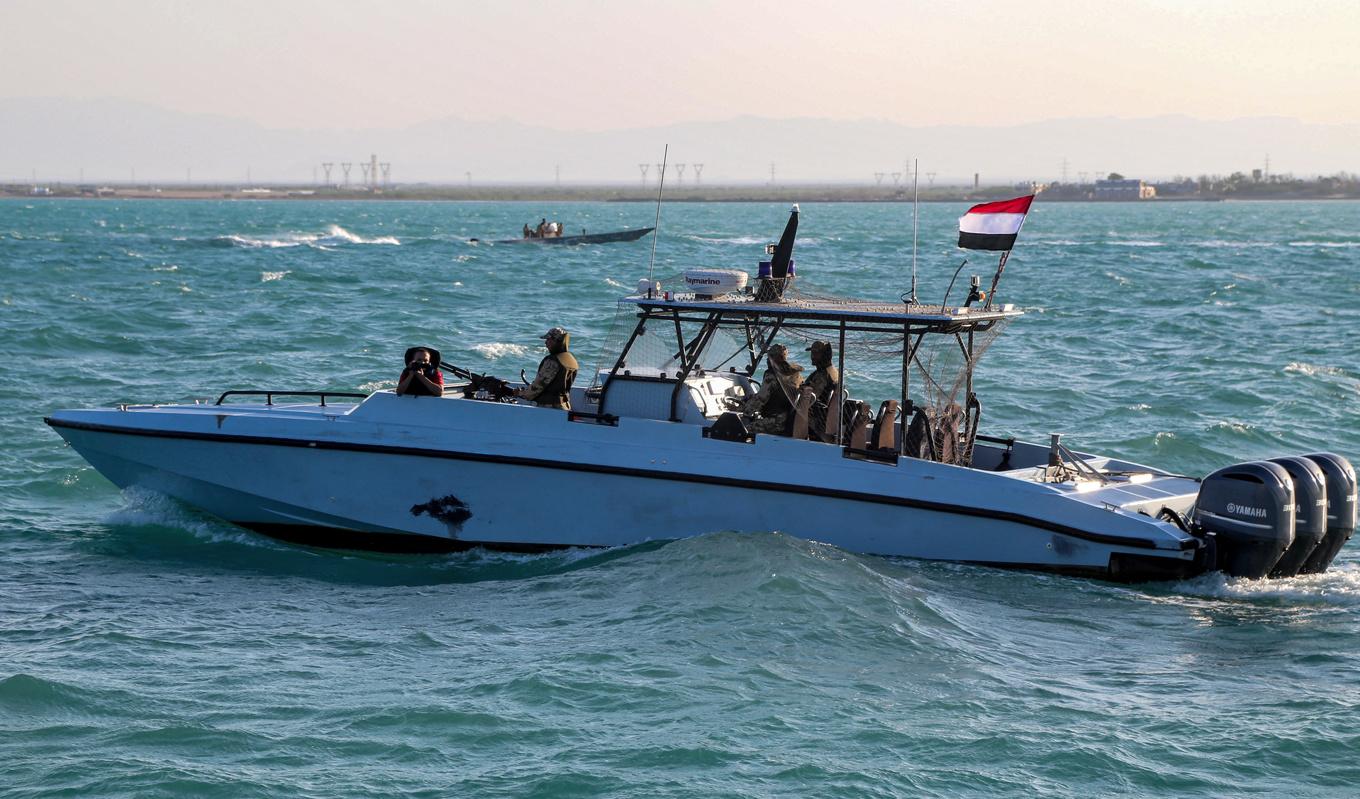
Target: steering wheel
(734, 397)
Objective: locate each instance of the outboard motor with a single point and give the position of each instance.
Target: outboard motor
(1340, 510)
(1310, 513)
(1249, 508)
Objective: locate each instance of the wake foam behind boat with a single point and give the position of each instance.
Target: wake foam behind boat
(1249, 508)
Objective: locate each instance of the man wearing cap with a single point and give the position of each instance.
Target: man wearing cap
(822, 383)
(778, 393)
(552, 385)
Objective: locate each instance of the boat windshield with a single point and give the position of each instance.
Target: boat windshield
(657, 347)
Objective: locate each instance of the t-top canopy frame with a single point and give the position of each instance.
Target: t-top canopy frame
(761, 322)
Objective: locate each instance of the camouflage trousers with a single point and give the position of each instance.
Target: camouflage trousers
(777, 425)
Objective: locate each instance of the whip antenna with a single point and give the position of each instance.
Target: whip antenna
(915, 212)
(657, 225)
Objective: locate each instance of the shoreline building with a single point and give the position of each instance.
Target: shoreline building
(1124, 189)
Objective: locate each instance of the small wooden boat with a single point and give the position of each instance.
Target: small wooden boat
(584, 238)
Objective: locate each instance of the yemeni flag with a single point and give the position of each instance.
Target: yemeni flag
(993, 226)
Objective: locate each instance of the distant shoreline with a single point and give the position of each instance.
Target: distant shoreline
(809, 193)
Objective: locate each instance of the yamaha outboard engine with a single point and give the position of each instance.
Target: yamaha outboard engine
(1249, 508)
(1310, 513)
(1340, 510)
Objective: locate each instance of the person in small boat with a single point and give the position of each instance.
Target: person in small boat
(556, 372)
(778, 392)
(822, 383)
(528, 234)
(420, 378)
(542, 228)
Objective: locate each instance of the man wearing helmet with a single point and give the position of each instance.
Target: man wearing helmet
(552, 385)
(778, 393)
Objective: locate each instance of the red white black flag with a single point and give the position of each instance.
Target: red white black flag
(993, 226)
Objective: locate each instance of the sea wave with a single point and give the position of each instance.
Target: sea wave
(728, 240)
(1314, 369)
(334, 234)
(496, 350)
(266, 277)
(377, 385)
(1232, 244)
(1240, 428)
(146, 508)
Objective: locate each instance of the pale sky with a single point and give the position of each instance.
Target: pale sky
(577, 65)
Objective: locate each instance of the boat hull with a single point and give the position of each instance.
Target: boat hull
(332, 489)
(585, 238)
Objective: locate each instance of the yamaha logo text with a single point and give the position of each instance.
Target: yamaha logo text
(1246, 510)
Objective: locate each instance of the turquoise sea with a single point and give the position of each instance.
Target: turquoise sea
(150, 651)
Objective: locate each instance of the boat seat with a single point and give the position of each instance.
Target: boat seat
(816, 421)
(833, 421)
(824, 424)
(802, 410)
(857, 426)
(919, 441)
(882, 436)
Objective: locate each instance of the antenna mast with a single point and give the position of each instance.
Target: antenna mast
(656, 227)
(915, 213)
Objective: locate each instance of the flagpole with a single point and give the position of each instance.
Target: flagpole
(1001, 265)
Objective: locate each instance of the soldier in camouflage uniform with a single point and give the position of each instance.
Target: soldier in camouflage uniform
(822, 383)
(778, 392)
(552, 385)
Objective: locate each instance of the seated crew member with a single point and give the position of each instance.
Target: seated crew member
(556, 372)
(420, 378)
(778, 392)
(542, 228)
(528, 234)
(822, 383)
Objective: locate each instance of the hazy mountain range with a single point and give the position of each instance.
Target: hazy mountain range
(106, 140)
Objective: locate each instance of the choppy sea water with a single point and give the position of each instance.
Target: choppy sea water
(147, 650)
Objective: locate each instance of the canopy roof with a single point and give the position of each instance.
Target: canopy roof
(805, 311)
